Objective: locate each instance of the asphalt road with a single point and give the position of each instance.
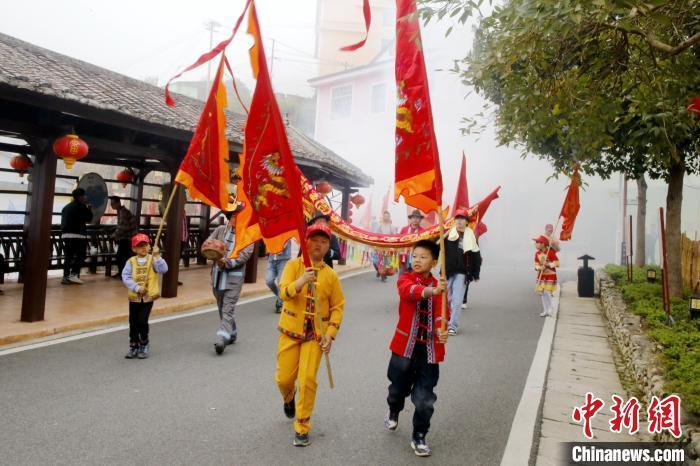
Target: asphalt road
(81, 402)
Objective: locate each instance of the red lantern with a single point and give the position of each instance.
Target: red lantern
(324, 187)
(21, 163)
(358, 200)
(70, 148)
(125, 177)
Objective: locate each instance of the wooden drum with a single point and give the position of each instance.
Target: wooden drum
(213, 249)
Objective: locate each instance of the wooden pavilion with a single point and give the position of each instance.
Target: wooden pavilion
(45, 95)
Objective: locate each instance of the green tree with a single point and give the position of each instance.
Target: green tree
(601, 84)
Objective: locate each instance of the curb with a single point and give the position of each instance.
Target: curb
(169, 309)
(522, 439)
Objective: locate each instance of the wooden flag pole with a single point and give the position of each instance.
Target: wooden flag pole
(443, 273)
(325, 354)
(165, 213)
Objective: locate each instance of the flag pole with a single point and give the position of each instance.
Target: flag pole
(325, 354)
(443, 272)
(165, 212)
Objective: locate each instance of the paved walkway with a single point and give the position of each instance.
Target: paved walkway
(102, 301)
(581, 361)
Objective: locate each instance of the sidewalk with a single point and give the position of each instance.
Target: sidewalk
(581, 361)
(102, 301)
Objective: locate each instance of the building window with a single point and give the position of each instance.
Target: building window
(379, 98)
(341, 102)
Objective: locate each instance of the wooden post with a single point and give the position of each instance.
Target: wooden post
(664, 261)
(137, 193)
(38, 236)
(172, 242)
(204, 214)
(344, 209)
(630, 263)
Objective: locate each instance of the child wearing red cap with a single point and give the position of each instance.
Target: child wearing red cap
(140, 276)
(546, 263)
(312, 310)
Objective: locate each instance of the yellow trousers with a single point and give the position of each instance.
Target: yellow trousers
(298, 361)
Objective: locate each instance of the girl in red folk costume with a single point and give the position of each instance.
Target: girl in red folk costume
(418, 345)
(546, 263)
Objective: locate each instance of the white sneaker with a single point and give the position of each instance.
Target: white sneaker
(543, 314)
(464, 306)
(75, 279)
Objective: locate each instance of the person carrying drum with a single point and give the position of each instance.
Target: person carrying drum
(227, 279)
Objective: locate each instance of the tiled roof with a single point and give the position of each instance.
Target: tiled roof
(35, 69)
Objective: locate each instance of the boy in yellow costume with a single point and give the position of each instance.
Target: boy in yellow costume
(307, 328)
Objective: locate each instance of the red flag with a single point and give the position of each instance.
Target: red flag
(204, 170)
(367, 13)
(462, 196)
(418, 176)
(571, 206)
(270, 179)
(479, 209)
(366, 221)
(385, 201)
(219, 48)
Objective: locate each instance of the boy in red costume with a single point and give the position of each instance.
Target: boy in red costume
(418, 345)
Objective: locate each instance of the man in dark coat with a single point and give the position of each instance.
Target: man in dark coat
(462, 265)
(74, 218)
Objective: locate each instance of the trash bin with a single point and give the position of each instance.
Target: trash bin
(586, 278)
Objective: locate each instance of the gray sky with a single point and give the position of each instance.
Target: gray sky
(158, 38)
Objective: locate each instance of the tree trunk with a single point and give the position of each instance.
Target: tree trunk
(674, 202)
(640, 257)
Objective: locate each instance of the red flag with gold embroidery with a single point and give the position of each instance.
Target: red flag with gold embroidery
(418, 177)
(204, 170)
(270, 179)
(571, 206)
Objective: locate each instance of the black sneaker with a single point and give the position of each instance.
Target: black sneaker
(301, 440)
(290, 409)
(220, 346)
(133, 352)
(391, 421)
(232, 340)
(420, 446)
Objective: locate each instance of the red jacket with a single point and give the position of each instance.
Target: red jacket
(411, 285)
(409, 230)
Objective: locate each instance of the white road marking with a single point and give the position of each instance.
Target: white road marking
(520, 439)
(117, 328)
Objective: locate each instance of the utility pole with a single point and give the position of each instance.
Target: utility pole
(272, 58)
(210, 26)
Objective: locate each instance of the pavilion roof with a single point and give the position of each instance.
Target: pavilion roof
(41, 71)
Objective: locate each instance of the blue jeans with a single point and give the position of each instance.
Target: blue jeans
(456, 286)
(272, 278)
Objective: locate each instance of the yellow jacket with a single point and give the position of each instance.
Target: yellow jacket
(330, 301)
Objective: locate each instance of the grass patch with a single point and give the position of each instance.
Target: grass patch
(680, 342)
